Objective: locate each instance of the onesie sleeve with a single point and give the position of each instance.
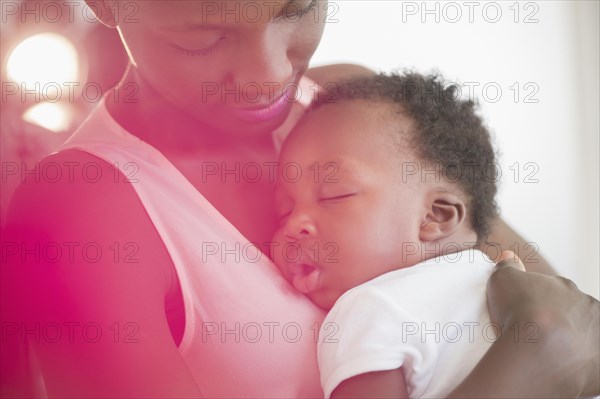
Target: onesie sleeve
(368, 331)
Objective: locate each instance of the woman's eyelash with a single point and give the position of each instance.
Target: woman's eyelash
(196, 53)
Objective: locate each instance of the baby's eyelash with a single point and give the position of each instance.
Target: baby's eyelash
(294, 11)
(337, 197)
(308, 9)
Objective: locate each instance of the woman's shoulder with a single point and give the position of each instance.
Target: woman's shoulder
(67, 184)
(82, 252)
(83, 209)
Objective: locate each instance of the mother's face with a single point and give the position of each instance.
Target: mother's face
(222, 62)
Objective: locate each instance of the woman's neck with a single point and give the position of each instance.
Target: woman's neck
(192, 147)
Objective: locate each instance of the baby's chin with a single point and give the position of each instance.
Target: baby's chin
(325, 299)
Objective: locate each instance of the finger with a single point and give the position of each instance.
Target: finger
(509, 259)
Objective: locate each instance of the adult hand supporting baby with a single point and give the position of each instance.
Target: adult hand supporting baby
(550, 335)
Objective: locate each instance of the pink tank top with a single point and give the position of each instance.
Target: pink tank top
(248, 333)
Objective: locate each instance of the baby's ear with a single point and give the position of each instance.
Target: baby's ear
(445, 213)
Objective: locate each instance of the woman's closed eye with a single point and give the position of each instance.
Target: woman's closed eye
(198, 51)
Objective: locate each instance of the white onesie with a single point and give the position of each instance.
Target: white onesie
(431, 319)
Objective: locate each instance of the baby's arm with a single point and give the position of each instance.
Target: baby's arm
(378, 384)
(369, 351)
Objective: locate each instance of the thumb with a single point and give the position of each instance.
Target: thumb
(509, 259)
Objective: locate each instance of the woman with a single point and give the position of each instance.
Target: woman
(169, 302)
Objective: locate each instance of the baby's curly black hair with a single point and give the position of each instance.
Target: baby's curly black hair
(448, 133)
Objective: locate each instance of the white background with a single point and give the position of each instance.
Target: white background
(556, 52)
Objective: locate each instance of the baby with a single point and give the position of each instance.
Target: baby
(386, 187)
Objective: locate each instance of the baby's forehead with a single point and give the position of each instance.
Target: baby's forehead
(378, 113)
(359, 106)
(358, 129)
(368, 120)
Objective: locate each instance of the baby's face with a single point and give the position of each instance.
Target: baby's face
(345, 212)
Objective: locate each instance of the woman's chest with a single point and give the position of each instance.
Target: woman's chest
(242, 191)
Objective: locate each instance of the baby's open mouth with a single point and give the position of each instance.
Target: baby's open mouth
(304, 277)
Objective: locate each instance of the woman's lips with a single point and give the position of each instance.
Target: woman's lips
(265, 113)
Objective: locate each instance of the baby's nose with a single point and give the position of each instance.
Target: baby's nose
(300, 227)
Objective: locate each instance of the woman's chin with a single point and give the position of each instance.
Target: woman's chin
(231, 123)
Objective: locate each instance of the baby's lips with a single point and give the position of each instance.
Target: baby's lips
(306, 281)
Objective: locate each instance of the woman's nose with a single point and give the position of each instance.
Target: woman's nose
(262, 68)
(300, 226)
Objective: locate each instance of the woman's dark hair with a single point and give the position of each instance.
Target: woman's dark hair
(448, 133)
